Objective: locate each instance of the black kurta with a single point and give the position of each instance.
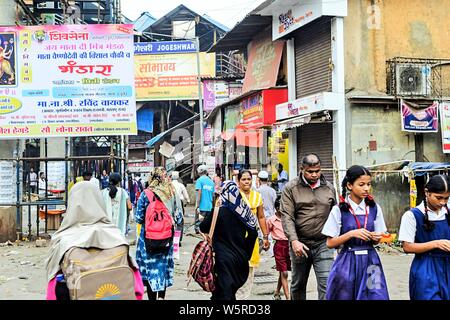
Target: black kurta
(233, 243)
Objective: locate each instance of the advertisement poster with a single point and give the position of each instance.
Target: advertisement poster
(445, 126)
(419, 120)
(252, 109)
(67, 80)
(263, 63)
(214, 94)
(170, 72)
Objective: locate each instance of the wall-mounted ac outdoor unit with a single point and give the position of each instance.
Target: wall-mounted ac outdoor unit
(413, 79)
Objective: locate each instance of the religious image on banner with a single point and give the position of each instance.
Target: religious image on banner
(419, 120)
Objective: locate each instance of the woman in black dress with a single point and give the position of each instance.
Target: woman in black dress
(233, 241)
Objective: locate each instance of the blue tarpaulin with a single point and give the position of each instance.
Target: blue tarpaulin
(420, 168)
(145, 120)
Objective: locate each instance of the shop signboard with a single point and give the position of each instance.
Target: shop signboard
(263, 63)
(169, 71)
(143, 166)
(67, 80)
(308, 105)
(252, 109)
(289, 16)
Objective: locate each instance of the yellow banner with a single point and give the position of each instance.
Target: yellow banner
(171, 76)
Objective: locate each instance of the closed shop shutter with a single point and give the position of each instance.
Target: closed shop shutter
(317, 138)
(312, 56)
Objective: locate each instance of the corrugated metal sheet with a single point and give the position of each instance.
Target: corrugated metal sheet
(312, 56)
(317, 138)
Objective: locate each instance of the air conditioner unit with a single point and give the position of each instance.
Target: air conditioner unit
(413, 79)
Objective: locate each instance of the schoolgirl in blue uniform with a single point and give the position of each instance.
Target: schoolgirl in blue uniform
(425, 231)
(356, 223)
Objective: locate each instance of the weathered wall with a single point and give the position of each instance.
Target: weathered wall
(391, 192)
(378, 30)
(375, 123)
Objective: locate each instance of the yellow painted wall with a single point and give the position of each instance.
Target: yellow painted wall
(405, 28)
(278, 157)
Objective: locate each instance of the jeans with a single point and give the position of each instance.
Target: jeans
(322, 259)
(197, 219)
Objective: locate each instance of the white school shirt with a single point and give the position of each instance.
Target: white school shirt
(332, 227)
(408, 225)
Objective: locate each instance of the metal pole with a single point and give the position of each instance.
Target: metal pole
(18, 200)
(200, 98)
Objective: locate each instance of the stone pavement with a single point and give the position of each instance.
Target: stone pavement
(22, 273)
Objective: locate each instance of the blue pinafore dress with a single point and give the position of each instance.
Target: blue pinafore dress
(357, 273)
(429, 278)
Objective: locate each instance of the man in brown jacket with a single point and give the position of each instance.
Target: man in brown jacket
(306, 203)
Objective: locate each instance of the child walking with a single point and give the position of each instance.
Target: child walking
(280, 251)
(425, 231)
(356, 223)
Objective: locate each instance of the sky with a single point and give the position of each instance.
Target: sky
(227, 12)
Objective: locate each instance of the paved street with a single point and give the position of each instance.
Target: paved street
(22, 273)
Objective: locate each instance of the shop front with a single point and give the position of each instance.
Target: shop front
(308, 122)
(247, 129)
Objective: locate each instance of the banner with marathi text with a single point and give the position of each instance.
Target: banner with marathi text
(419, 120)
(168, 70)
(67, 80)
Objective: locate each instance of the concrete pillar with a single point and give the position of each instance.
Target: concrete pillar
(293, 163)
(338, 82)
(7, 147)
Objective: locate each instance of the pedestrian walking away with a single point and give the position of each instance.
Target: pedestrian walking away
(117, 202)
(425, 231)
(254, 201)
(357, 224)
(306, 203)
(86, 225)
(156, 267)
(268, 194)
(204, 197)
(184, 198)
(233, 242)
(281, 252)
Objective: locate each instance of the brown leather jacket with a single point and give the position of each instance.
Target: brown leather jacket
(304, 211)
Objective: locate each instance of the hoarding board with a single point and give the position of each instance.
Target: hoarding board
(67, 80)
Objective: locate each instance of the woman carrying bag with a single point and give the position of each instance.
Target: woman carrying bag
(233, 241)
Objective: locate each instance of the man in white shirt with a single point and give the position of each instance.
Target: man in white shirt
(282, 177)
(32, 180)
(180, 189)
(268, 194)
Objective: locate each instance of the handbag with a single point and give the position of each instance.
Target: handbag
(201, 268)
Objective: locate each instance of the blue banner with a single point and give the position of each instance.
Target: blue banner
(419, 120)
(162, 47)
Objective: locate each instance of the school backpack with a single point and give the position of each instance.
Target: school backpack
(201, 268)
(98, 274)
(159, 225)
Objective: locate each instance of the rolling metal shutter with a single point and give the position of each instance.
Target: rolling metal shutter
(312, 58)
(317, 138)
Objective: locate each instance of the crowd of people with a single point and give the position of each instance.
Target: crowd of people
(301, 227)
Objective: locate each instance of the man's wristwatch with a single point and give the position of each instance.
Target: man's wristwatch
(266, 237)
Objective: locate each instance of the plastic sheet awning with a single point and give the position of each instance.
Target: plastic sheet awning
(422, 168)
(145, 120)
(246, 135)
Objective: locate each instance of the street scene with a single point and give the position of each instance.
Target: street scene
(239, 151)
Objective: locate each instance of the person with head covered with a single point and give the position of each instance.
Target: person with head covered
(86, 225)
